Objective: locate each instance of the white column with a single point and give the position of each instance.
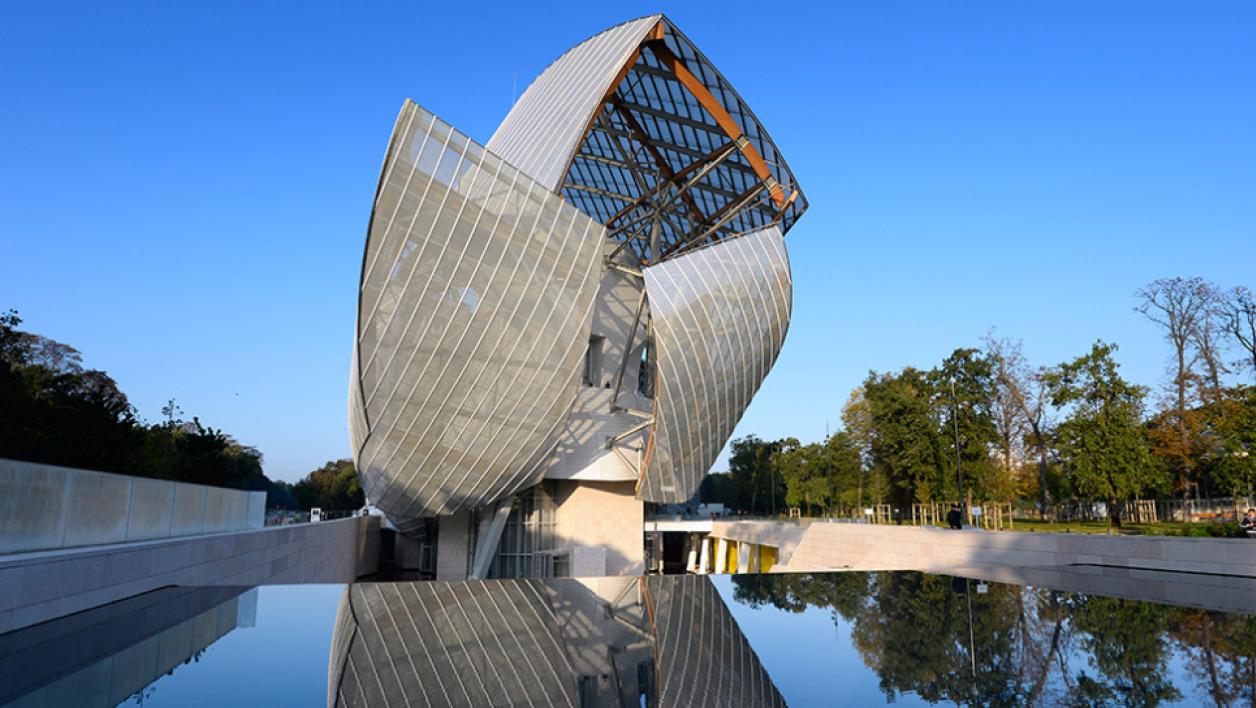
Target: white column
(721, 555)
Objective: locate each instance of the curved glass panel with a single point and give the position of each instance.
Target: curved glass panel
(719, 317)
(549, 121)
(665, 641)
(477, 291)
(451, 644)
(713, 664)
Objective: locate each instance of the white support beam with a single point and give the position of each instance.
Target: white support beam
(488, 537)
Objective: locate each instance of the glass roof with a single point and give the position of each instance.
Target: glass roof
(675, 160)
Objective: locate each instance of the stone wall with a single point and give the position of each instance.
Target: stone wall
(871, 547)
(45, 507)
(37, 587)
(601, 515)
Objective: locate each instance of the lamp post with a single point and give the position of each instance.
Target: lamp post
(959, 474)
(828, 466)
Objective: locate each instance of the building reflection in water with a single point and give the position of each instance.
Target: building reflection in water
(654, 641)
(103, 656)
(1026, 645)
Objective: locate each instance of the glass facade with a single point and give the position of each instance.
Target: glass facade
(477, 291)
(661, 641)
(493, 320)
(719, 316)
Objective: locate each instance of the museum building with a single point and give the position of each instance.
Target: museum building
(565, 324)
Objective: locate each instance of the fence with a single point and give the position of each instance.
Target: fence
(285, 517)
(1146, 511)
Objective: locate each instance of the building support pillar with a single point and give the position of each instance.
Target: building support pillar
(488, 538)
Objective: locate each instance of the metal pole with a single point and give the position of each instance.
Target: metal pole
(828, 466)
(959, 474)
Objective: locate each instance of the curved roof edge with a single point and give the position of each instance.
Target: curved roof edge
(541, 141)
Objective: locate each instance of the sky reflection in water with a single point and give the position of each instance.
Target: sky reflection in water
(832, 639)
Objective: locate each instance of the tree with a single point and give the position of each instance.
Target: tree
(720, 488)
(821, 474)
(751, 462)
(860, 431)
(964, 390)
(1229, 457)
(1020, 404)
(1238, 320)
(1101, 442)
(1180, 306)
(334, 486)
(54, 411)
(906, 447)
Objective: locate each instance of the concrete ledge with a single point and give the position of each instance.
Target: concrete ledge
(37, 587)
(44, 507)
(871, 547)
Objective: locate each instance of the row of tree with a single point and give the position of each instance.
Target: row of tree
(986, 423)
(934, 637)
(334, 486)
(54, 411)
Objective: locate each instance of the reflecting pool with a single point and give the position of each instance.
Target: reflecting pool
(754, 640)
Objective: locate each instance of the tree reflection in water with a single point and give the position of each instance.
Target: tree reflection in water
(937, 637)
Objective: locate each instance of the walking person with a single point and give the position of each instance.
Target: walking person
(1249, 523)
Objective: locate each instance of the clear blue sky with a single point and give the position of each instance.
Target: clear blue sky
(185, 188)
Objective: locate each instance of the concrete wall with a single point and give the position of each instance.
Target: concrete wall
(37, 587)
(452, 546)
(602, 515)
(872, 547)
(44, 507)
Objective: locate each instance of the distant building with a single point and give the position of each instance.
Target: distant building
(568, 322)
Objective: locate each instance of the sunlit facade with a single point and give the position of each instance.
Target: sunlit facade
(591, 299)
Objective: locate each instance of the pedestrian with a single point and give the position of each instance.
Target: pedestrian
(1249, 523)
(953, 517)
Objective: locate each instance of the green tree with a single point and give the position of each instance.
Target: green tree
(1228, 463)
(720, 488)
(54, 411)
(334, 486)
(751, 463)
(1128, 645)
(1101, 442)
(906, 446)
(964, 390)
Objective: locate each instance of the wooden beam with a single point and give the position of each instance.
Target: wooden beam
(720, 114)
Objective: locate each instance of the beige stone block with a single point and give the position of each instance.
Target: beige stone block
(189, 510)
(152, 509)
(217, 509)
(97, 506)
(33, 503)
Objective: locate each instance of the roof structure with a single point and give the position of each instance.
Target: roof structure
(652, 141)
